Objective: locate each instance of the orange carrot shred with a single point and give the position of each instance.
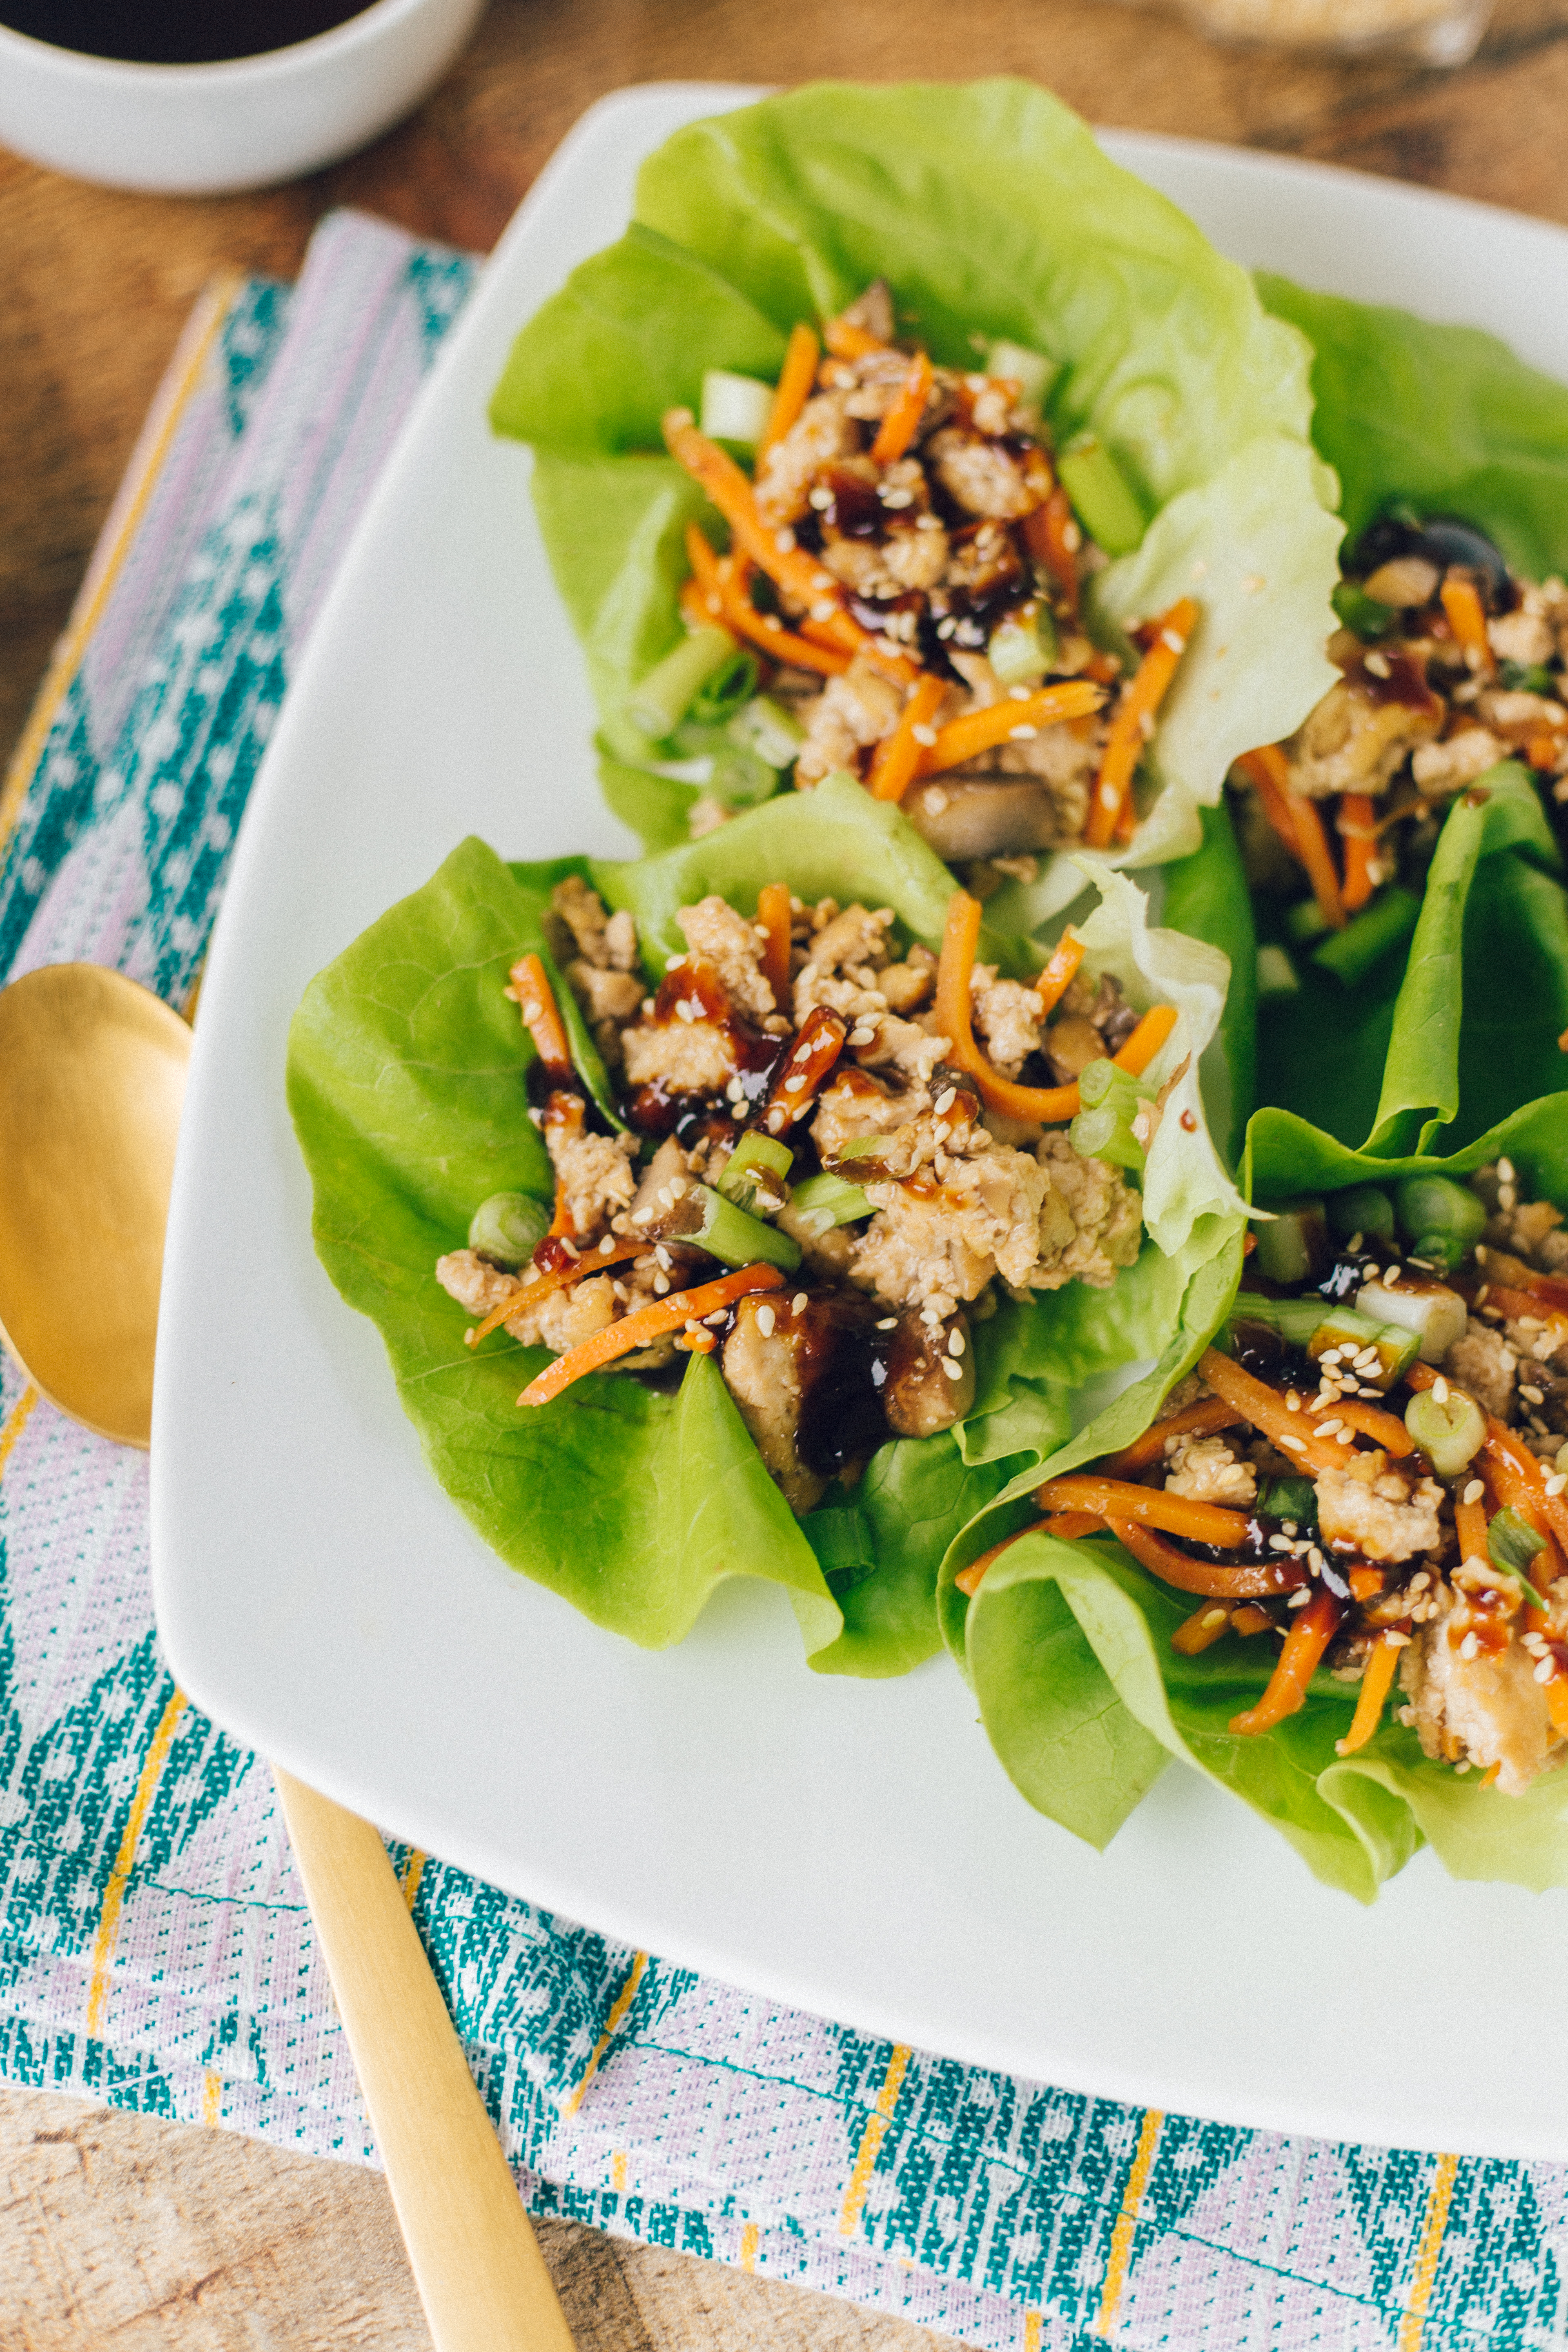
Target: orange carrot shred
(1249, 1582)
(1266, 1409)
(1126, 742)
(1376, 1682)
(1053, 537)
(1357, 823)
(795, 380)
(897, 756)
(902, 421)
(846, 340)
(1200, 1420)
(984, 731)
(1056, 978)
(1365, 1583)
(1300, 826)
(1468, 619)
(1313, 1628)
(774, 917)
(1146, 1040)
(1201, 1630)
(529, 1294)
(1542, 751)
(1385, 1429)
(1179, 1515)
(536, 1003)
(721, 601)
(650, 1323)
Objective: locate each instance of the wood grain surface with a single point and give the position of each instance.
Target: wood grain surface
(143, 2233)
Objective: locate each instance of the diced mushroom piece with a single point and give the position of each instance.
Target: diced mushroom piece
(765, 1363)
(930, 1377)
(1433, 1312)
(981, 816)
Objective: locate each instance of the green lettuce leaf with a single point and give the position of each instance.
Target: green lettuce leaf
(991, 211)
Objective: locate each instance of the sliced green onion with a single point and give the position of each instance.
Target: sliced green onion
(829, 1200)
(1361, 612)
(1017, 652)
(1032, 372)
(1293, 1243)
(766, 728)
(1363, 1209)
(1450, 1434)
(1304, 922)
(1512, 1543)
(861, 1147)
(842, 1540)
(1103, 1082)
(738, 779)
(1343, 1327)
(659, 705)
(727, 691)
(734, 407)
(1379, 929)
(1106, 1133)
(1276, 973)
(729, 1233)
(1295, 1319)
(1445, 1220)
(508, 1228)
(757, 1160)
(1102, 498)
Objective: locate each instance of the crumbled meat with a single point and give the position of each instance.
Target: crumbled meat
(604, 996)
(761, 1361)
(608, 943)
(1387, 1514)
(824, 1249)
(823, 431)
(978, 476)
(1105, 1213)
(1191, 1390)
(684, 1057)
(1355, 741)
(1527, 1229)
(1482, 1364)
(1208, 1470)
(1452, 766)
(854, 1104)
(594, 1173)
(1008, 1017)
(844, 965)
(851, 712)
(1519, 716)
(930, 1246)
(727, 942)
(906, 985)
(562, 1318)
(1487, 1708)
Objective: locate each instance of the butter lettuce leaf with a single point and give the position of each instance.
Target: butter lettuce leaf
(991, 212)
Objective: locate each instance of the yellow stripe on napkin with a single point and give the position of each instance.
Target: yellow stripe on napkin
(1434, 2222)
(871, 2139)
(1126, 2229)
(120, 1876)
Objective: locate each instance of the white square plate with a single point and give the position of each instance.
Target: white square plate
(851, 1847)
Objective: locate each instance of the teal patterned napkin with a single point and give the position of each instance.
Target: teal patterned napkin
(155, 1950)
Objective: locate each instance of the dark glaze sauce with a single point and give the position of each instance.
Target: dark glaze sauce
(175, 32)
(843, 1370)
(654, 1109)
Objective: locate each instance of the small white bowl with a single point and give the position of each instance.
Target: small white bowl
(244, 122)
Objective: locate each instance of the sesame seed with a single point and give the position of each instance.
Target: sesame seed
(946, 1100)
(765, 1320)
(1469, 1648)
(1297, 1444)
(1018, 694)
(1293, 1404)
(1556, 1483)
(661, 1257)
(1505, 1171)
(1022, 734)
(956, 1343)
(1545, 1670)
(925, 736)
(1278, 1543)
(1507, 1198)
(1391, 1277)
(1300, 1600)
(1531, 1323)
(784, 541)
(952, 1368)
(1353, 1244)
(721, 1316)
(1109, 797)
(1331, 1355)
(862, 1036)
(1464, 1763)
(1344, 1437)
(1169, 639)
(1315, 1559)
(1330, 1428)
(794, 1085)
(1397, 1640)
(888, 1323)
(1531, 1396)
(1072, 538)
(661, 1284)
(1212, 1617)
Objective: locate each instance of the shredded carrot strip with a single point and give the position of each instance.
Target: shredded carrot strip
(648, 1323)
(704, 567)
(696, 611)
(1519, 1491)
(968, 1578)
(1470, 1526)
(1376, 1682)
(902, 421)
(773, 916)
(795, 380)
(1542, 750)
(1357, 831)
(536, 1003)
(1201, 1630)
(1249, 1618)
(1557, 1703)
(1266, 1409)
(897, 756)
(1057, 977)
(1179, 1515)
(530, 1293)
(696, 1343)
(1071, 1525)
(1385, 1429)
(1177, 1567)
(845, 340)
(721, 601)
(790, 567)
(1514, 1303)
(1365, 1583)
(1041, 1104)
(984, 730)
(1053, 537)
(1313, 1628)
(1125, 743)
(1467, 618)
(1300, 826)
(1198, 1420)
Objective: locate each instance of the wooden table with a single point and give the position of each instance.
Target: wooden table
(160, 2236)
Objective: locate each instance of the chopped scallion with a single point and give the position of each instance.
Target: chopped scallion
(1102, 498)
(661, 702)
(829, 1200)
(736, 407)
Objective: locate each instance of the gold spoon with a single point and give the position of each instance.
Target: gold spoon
(93, 1080)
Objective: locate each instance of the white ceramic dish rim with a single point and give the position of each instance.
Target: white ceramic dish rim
(1176, 1822)
(216, 75)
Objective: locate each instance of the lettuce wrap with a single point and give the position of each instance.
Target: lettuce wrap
(992, 213)
(407, 1071)
(1438, 420)
(1068, 1643)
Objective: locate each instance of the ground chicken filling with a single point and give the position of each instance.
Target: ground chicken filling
(804, 1187)
(1369, 1469)
(909, 558)
(1449, 664)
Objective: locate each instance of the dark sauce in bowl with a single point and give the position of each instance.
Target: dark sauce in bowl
(174, 32)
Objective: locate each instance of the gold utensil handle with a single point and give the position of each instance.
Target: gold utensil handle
(476, 2260)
